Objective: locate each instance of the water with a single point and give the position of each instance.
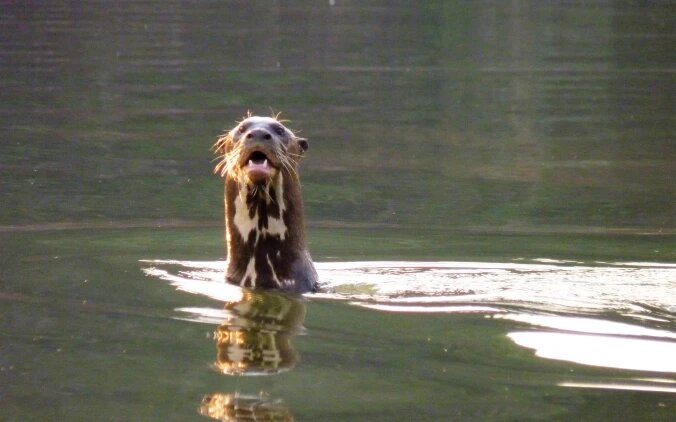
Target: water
(490, 201)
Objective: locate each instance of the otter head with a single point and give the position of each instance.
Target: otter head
(256, 150)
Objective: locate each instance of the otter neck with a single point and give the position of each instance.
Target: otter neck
(264, 231)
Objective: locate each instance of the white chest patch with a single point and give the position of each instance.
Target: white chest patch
(272, 270)
(243, 222)
(246, 224)
(276, 226)
(250, 273)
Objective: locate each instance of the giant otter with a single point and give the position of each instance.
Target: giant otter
(263, 206)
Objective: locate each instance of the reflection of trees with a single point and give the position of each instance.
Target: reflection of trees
(513, 112)
(465, 112)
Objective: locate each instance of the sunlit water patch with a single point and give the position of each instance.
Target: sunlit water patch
(639, 289)
(614, 315)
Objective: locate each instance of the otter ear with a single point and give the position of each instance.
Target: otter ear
(302, 142)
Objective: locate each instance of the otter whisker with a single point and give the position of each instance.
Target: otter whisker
(228, 161)
(221, 141)
(225, 165)
(220, 157)
(290, 168)
(219, 166)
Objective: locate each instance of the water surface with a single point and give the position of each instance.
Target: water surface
(489, 190)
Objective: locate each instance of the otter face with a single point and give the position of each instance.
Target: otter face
(257, 150)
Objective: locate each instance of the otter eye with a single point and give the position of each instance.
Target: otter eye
(279, 130)
(241, 129)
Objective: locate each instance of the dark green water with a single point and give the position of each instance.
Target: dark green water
(528, 147)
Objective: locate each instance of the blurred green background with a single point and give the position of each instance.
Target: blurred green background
(491, 115)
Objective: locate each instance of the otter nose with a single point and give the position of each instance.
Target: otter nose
(259, 135)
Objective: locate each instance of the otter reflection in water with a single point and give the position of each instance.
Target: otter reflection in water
(255, 339)
(236, 407)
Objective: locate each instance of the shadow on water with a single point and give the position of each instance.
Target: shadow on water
(253, 338)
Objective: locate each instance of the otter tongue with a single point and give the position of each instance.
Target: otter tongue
(258, 170)
(258, 164)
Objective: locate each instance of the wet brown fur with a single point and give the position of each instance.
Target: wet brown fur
(281, 261)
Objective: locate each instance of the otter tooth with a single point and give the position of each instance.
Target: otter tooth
(250, 162)
(265, 162)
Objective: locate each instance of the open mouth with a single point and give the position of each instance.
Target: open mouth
(258, 158)
(258, 167)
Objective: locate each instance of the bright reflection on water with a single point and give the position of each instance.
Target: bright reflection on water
(655, 385)
(612, 352)
(544, 292)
